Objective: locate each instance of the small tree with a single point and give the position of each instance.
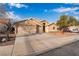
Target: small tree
(63, 22)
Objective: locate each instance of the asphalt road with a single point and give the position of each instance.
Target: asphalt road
(67, 50)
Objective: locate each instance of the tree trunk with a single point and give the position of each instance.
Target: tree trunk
(8, 38)
(62, 31)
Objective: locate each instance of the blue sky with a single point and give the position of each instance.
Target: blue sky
(45, 11)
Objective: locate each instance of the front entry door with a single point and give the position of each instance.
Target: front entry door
(43, 27)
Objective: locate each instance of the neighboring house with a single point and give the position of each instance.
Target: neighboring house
(52, 27)
(29, 26)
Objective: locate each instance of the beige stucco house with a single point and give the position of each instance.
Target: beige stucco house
(52, 27)
(29, 26)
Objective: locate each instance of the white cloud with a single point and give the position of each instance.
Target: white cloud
(75, 12)
(63, 9)
(12, 16)
(17, 5)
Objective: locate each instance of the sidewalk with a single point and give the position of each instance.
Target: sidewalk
(40, 43)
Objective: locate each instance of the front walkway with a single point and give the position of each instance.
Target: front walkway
(40, 43)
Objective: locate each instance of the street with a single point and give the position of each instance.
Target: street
(67, 50)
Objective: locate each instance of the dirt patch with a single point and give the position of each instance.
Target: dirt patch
(62, 34)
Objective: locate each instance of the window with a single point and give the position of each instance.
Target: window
(53, 28)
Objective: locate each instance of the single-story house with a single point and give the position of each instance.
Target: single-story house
(29, 26)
